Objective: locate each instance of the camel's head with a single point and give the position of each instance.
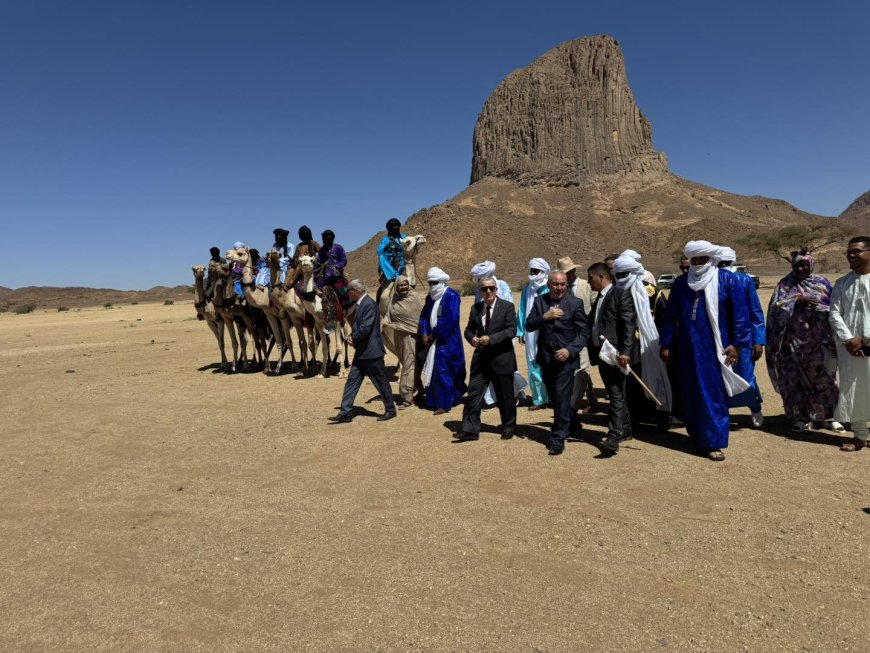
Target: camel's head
(273, 258)
(306, 263)
(240, 255)
(198, 271)
(410, 245)
(218, 269)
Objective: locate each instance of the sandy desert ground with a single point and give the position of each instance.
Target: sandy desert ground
(151, 504)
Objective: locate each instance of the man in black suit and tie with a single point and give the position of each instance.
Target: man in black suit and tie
(561, 321)
(368, 360)
(613, 317)
(492, 325)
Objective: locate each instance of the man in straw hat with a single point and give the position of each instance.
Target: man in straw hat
(581, 289)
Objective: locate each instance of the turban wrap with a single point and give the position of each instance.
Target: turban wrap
(482, 270)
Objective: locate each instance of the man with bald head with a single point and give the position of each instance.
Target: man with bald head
(559, 320)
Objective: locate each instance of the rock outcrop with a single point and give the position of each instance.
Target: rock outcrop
(858, 212)
(566, 119)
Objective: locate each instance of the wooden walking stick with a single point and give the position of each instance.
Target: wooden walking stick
(644, 386)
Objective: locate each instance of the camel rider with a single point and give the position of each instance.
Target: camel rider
(391, 253)
(237, 272)
(285, 250)
(261, 270)
(329, 276)
(209, 281)
(307, 247)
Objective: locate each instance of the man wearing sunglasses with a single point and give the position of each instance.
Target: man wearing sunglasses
(491, 326)
(850, 320)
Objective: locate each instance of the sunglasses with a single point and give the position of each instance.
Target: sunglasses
(622, 275)
(487, 289)
(856, 252)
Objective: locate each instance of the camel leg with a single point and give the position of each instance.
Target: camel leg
(218, 331)
(324, 340)
(243, 340)
(286, 328)
(231, 327)
(275, 325)
(303, 343)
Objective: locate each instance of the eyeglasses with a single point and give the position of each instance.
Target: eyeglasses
(856, 252)
(487, 289)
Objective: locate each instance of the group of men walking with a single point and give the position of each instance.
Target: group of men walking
(691, 355)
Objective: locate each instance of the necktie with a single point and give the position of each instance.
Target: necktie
(486, 319)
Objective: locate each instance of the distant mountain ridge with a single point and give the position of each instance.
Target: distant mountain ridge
(78, 296)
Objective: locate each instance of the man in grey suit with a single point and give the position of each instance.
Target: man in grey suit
(613, 317)
(368, 360)
(492, 325)
(560, 319)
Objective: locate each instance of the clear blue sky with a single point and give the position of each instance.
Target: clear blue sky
(135, 135)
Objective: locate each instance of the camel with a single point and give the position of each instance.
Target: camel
(410, 245)
(315, 307)
(226, 305)
(258, 298)
(205, 311)
(289, 302)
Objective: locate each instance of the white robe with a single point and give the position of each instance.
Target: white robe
(850, 318)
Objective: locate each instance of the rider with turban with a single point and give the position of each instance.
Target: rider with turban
(539, 272)
(707, 321)
(444, 370)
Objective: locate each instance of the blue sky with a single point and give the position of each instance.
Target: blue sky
(135, 135)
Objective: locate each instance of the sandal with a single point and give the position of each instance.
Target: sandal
(717, 455)
(800, 427)
(835, 426)
(853, 445)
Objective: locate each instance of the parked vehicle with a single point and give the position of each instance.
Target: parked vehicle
(666, 280)
(742, 269)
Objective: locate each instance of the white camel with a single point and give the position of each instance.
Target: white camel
(258, 298)
(314, 305)
(205, 311)
(288, 301)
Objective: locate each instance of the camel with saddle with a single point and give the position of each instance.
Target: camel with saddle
(229, 307)
(259, 298)
(329, 332)
(206, 312)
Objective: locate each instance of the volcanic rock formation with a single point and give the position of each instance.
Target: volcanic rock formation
(563, 165)
(567, 118)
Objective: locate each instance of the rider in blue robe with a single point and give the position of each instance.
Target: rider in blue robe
(448, 376)
(706, 400)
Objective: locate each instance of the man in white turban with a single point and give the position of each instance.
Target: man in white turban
(628, 273)
(479, 272)
(707, 321)
(745, 366)
(539, 272)
(444, 370)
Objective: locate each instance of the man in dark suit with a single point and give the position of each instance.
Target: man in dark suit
(561, 321)
(492, 325)
(613, 317)
(368, 360)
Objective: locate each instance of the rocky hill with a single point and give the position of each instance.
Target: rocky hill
(858, 213)
(563, 165)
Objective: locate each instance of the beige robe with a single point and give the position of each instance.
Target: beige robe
(850, 318)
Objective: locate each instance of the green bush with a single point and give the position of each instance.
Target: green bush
(468, 288)
(24, 308)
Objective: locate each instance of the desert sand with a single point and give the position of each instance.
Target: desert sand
(152, 504)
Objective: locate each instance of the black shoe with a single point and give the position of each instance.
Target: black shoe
(466, 437)
(610, 444)
(340, 419)
(390, 414)
(507, 434)
(556, 450)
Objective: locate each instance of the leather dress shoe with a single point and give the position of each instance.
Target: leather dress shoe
(556, 450)
(390, 414)
(507, 434)
(466, 437)
(340, 419)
